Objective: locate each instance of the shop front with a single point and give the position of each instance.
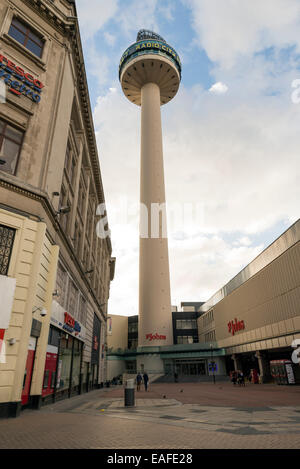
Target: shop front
(62, 376)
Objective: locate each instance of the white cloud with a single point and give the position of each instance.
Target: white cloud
(166, 10)
(109, 38)
(244, 241)
(199, 267)
(239, 159)
(230, 29)
(138, 15)
(219, 88)
(94, 14)
(98, 64)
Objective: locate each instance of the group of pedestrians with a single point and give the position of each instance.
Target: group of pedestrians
(237, 377)
(140, 379)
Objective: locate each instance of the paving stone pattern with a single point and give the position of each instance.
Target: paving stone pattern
(201, 416)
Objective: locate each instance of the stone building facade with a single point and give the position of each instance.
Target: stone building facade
(255, 318)
(50, 188)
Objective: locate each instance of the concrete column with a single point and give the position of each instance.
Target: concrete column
(237, 362)
(264, 367)
(154, 290)
(41, 350)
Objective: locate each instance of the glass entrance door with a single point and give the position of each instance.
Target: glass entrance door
(191, 368)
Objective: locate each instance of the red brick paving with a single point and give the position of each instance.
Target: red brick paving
(222, 394)
(59, 426)
(73, 431)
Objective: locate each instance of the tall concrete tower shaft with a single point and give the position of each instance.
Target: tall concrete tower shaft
(150, 74)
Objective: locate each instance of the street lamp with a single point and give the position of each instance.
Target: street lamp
(212, 363)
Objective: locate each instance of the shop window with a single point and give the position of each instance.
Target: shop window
(7, 236)
(65, 356)
(53, 380)
(46, 379)
(26, 36)
(10, 147)
(54, 335)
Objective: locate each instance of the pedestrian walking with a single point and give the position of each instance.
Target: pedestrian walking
(146, 379)
(176, 377)
(233, 377)
(241, 379)
(139, 380)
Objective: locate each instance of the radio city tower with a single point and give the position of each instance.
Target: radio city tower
(150, 75)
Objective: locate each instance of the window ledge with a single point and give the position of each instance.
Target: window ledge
(12, 42)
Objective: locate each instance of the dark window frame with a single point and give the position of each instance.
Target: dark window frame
(20, 144)
(29, 35)
(11, 247)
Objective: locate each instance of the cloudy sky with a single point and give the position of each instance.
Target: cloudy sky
(231, 135)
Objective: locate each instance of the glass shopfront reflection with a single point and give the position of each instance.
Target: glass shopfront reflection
(188, 368)
(65, 355)
(69, 365)
(76, 366)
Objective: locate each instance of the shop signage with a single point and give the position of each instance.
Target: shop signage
(212, 366)
(19, 81)
(95, 343)
(235, 326)
(156, 336)
(290, 373)
(2, 348)
(150, 46)
(63, 320)
(71, 325)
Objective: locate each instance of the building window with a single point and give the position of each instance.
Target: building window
(7, 236)
(208, 318)
(61, 285)
(10, 146)
(72, 298)
(186, 324)
(184, 339)
(210, 337)
(132, 327)
(82, 310)
(25, 35)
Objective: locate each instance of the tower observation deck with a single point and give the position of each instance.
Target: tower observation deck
(150, 75)
(150, 60)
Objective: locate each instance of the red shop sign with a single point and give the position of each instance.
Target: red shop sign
(235, 326)
(156, 336)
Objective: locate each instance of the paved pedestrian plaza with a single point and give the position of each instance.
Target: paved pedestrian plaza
(168, 416)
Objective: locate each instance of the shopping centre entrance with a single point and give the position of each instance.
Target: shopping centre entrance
(191, 367)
